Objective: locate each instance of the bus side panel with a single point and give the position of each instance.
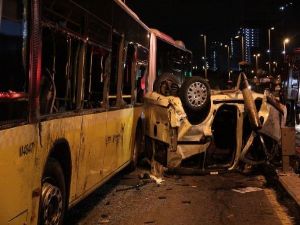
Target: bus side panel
(17, 152)
(91, 157)
(68, 129)
(119, 131)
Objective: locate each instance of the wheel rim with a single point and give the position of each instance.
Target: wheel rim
(197, 94)
(52, 204)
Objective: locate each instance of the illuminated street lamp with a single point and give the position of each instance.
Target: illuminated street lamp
(274, 66)
(256, 56)
(285, 41)
(229, 75)
(205, 63)
(269, 49)
(269, 39)
(242, 43)
(228, 58)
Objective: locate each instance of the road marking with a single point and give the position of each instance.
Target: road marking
(281, 212)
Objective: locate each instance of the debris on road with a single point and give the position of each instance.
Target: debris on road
(104, 221)
(149, 222)
(104, 216)
(186, 202)
(158, 180)
(144, 176)
(212, 201)
(247, 189)
(137, 186)
(162, 197)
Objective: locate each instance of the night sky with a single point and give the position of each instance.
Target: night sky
(219, 19)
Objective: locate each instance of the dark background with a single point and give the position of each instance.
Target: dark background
(219, 19)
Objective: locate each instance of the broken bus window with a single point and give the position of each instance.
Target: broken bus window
(13, 62)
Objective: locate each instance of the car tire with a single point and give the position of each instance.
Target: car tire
(195, 95)
(53, 197)
(167, 84)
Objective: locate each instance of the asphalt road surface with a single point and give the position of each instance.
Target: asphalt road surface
(186, 200)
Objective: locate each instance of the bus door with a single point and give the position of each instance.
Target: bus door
(18, 139)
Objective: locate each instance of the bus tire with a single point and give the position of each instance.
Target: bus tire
(53, 196)
(195, 95)
(166, 84)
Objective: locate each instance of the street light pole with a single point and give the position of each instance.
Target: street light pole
(205, 60)
(228, 57)
(285, 41)
(242, 43)
(275, 66)
(256, 61)
(269, 49)
(243, 50)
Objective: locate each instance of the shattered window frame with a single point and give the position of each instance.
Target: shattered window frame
(14, 91)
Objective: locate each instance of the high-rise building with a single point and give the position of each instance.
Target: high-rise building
(246, 42)
(217, 57)
(213, 56)
(251, 41)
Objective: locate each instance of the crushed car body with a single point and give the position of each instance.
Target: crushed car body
(239, 124)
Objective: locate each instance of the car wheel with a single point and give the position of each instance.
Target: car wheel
(53, 198)
(166, 84)
(195, 95)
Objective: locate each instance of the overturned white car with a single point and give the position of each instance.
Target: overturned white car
(220, 128)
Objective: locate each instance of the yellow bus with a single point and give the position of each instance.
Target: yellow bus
(73, 75)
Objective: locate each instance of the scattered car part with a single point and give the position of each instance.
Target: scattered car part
(137, 186)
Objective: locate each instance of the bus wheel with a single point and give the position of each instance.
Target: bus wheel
(53, 199)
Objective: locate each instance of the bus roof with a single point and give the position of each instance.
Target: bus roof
(157, 33)
(169, 39)
(132, 14)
